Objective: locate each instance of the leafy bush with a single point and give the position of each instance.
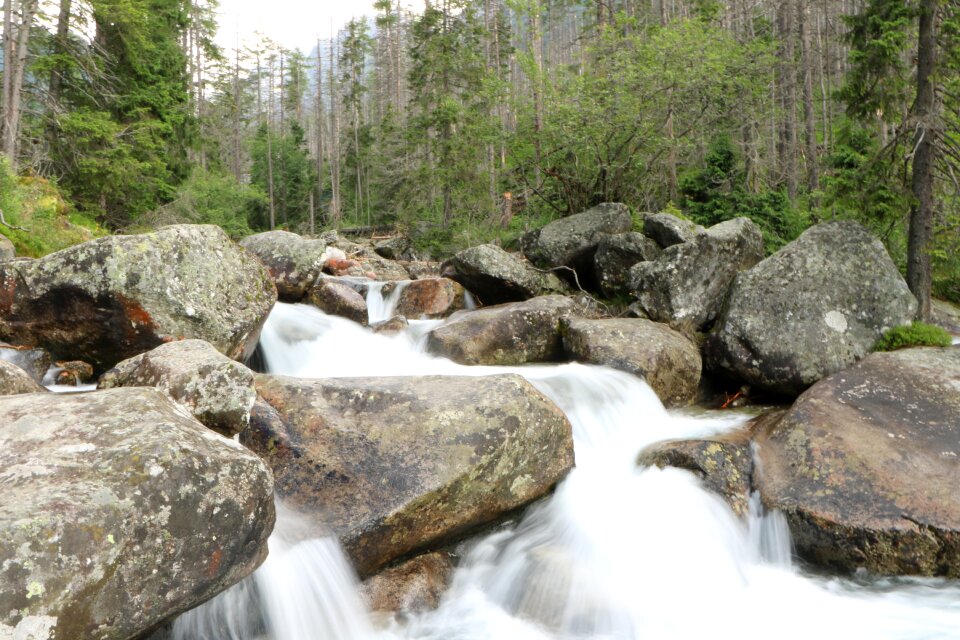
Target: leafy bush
(917, 334)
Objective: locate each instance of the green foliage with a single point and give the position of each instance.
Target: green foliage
(917, 334)
(294, 177)
(616, 132)
(717, 192)
(210, 197)
(47, 222)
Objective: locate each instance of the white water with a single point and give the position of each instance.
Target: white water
(617, 553)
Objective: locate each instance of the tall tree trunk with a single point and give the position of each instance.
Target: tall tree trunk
(237, 169)
(810, 121)
(12, 112)
(334, 140)
(925, 114)
(320, 124)
(60, 49)
(787, 144)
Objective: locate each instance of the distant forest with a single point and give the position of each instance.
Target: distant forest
(472, 121)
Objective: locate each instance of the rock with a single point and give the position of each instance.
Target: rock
(946, 315)
(668, 361)
(294, 262)
(688, 283)
(14, 380)
(866, 464)
(392, 465)
(115, 297)
(339, 299)
(430, 297)
(723, 462)
(216, 390)
(396, 324)
(616, 255)
(816, 306)
(32, 360)
(75, 372)
(493, 275)
(506, 334)
(421, 269)
(119, 511)
(7, 250)
(572, 241)
(368, 263)
(667, 230)
(414, 586)
(395, 248)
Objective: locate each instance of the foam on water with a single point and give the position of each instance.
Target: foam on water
(617, 551)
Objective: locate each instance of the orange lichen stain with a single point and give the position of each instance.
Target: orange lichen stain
(214, 565)
(137, 314)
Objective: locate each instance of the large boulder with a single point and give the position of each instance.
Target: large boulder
(216, 390)
(815, 307)
(667, 230)
(392, 465)
(506, 334)
(395, 248)
(113, 298)
(293, 262)
(669, 362)
(865, 466)
(572, 241)
(493, 275)
(14, 380)
(616, 255)
(118, 511)
(687, 284)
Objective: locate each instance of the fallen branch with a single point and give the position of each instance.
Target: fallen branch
(7, 224)
(576, 281)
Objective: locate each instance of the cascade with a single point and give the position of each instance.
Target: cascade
(616, 552)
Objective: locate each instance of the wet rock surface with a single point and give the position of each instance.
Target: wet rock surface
(414, 586)
(391, 465)
(217, 391)
(117, 511)
(507, 334)
(866, 465)
(669, 362)
(14, 380)
(687, 284)
(112, 298)
(34, 361)
(339, 299)
(430, 298)
(814, 307)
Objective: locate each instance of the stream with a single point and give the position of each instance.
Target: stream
(617, 552)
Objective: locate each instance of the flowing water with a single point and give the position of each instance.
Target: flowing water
(617, 552)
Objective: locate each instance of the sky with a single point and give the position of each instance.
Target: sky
(292, 23)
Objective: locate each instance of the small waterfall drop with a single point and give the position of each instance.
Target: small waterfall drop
(618, 552)
(380, 307)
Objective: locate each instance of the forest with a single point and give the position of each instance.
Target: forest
(475, 120)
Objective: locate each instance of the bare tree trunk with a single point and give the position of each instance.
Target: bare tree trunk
(813, 178)
(11, 125)
(334, 141)
(925, 114)
(787, 148)
(320, 124)
(535, 44)
(237, 169)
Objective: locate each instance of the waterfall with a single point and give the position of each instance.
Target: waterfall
(618, 552)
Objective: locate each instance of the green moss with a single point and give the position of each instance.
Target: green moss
(917, 334)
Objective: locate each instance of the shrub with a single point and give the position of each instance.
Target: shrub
(917, 334)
